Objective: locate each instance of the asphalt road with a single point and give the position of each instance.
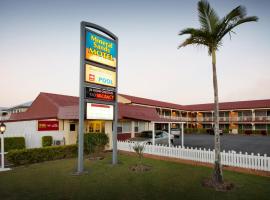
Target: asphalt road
(244, 143)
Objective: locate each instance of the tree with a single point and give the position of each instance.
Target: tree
(210, 34)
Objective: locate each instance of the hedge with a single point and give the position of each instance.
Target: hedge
(36, 155)
(195, 130)
(47, 141)
(94, 142)
(13, 143)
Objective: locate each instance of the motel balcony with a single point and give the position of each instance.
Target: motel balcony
(221, 119)
(262, 119)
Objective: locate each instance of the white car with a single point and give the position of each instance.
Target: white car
(146, 137)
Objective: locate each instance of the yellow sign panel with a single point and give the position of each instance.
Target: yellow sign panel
(100, 76)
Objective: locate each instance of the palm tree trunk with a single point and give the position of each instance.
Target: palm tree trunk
(217, 176)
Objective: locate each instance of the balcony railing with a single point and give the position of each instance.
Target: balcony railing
(262, 119)
(221, 119)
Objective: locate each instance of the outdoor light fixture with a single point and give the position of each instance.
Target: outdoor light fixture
(2, 128)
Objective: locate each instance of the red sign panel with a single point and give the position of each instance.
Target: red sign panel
(48, 125)
(99, 94)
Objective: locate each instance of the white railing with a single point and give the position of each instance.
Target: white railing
(231, 158)
(221, 119)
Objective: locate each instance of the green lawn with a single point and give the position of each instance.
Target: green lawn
(167, 180)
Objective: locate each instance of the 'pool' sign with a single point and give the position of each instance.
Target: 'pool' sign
(100, 49)
(100, 76)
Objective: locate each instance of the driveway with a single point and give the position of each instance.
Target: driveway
(244, 143)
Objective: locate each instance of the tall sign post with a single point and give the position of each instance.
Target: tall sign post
(98, 82)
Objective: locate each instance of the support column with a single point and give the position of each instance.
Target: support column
(253, 127)
(132, 129)
(153, 134)
(253, 115)
(182, 135)
(187, 119)
(169, 134)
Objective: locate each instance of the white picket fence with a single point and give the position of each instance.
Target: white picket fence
(231, 158)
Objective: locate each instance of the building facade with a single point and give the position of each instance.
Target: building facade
(57, 115)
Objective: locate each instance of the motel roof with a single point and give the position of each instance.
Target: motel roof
(151, 102)
(251, 104)
(127, 111)
(56, 106)
(237, 105)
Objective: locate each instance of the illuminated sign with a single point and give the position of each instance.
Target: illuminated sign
(48, 125)
(99, 111)
(100, 49)
(100, 76)
(100, 94)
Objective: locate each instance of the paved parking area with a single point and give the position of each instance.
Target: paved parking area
(244, 143)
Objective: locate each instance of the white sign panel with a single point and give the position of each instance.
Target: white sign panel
(99, 111)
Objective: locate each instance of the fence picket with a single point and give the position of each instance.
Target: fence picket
(230, 158)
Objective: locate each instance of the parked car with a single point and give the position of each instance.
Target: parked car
(175, 132)
(145, 137)
(212, 131)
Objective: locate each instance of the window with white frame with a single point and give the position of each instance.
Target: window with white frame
(136, 126)
(126, 127)
(141, 126)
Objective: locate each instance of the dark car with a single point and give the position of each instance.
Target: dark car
(212, 131)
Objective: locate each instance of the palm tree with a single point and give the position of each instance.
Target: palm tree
(210, 35)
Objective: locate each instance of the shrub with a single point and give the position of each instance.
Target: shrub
(139, 149)
(248, 132)
(36, 155)
(195, 130)
(95, 142)
(263, 132)
(14, 143)
(226, 130)
(47, 141)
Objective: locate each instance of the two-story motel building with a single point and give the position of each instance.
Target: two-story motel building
(57, 115)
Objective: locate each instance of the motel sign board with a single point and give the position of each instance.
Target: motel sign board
(98, 82)
(99, 111)
(100, 49)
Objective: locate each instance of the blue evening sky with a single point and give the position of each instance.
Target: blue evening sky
(39, 50)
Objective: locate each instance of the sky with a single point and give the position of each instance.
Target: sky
(39, 50)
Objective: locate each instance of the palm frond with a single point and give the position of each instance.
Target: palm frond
(193, 41)
(234, 24)
(190, 31)
(207, 16)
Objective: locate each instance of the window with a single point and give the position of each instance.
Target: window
(126, 127)
(72, 127)
(119, 127)
(141, 126)
(136, 128)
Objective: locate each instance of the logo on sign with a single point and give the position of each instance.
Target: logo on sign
(91, 77)
(48, 125)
